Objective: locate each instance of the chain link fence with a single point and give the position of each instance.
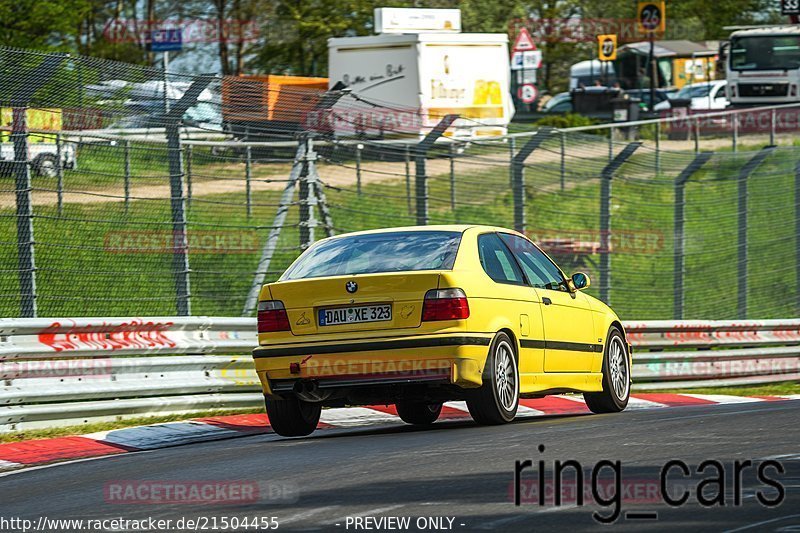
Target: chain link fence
(126, 191)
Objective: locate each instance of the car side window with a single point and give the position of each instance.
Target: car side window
(541, 272)
(497, 261)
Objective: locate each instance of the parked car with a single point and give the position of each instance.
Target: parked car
(560, 103)
(703, 96)
(422, 315)
(43, 157)
(662, 95)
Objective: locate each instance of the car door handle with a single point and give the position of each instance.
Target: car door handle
(546, 301)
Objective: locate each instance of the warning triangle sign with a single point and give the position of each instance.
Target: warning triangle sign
(524, 41)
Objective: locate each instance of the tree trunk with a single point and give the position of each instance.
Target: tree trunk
(223, 38)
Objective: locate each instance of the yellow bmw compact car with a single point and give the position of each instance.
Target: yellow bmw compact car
(422, 315)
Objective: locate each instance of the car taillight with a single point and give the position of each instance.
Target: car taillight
(272, 317)
(445, 304)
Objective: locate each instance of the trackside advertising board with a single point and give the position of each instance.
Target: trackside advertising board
(416, 79)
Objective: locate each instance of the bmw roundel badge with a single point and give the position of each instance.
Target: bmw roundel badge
(351, 286)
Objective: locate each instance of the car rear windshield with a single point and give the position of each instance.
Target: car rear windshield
(400, 251)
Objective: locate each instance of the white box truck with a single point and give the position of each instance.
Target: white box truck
(763, 66)
(405, 83)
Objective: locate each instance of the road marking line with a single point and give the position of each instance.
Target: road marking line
(371, 512)
(307, 514)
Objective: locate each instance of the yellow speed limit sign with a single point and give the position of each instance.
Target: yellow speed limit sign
(606, 47)
(651, 16)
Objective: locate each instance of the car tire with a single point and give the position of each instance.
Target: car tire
(616, 377)
(46, 165)
(497, 400)
(292, 417)
(419, 413)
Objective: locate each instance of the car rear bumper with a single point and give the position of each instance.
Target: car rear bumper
(455, 358)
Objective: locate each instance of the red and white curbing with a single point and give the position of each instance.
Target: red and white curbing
(18, 455)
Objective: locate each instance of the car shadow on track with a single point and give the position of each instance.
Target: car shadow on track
(442, 425)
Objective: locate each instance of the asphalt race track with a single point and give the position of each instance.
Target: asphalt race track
(454, 469)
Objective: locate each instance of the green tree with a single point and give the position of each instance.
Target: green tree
(42, 24)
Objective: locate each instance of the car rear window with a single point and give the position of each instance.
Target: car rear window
(400, 251)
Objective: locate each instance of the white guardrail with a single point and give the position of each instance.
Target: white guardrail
(65, 371)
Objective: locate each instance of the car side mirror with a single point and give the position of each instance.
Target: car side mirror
(580, 281)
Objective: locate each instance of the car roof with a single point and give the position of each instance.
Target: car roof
(441, 227)
(771, 31)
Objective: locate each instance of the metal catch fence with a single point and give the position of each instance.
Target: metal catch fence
(130, 191)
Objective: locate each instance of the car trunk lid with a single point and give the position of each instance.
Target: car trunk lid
(362, 297)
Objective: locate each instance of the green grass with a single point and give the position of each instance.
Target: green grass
(49, 433)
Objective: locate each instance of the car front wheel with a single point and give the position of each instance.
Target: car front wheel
(496, 401)
(616, 377)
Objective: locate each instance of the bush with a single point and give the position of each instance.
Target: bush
(569, 120)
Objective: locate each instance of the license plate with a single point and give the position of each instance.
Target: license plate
(355, 315)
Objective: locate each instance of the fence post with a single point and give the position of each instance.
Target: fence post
(20, 102)
(189, 151)
(518, 175)
(658, 147)
(563, 159)
(606, 175)
(59, 173)
(420, 153)
(772, 120)
(180, 248)
(735, 117)
(797, 232)
(679, 246)
(127, 173)
(248, 176)
(359, 147)
(696, 135)
(308, 198)
(512, 150)
(408, 178)
(25, 241)
(452, 178)
(741, 259)
(610, 144)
